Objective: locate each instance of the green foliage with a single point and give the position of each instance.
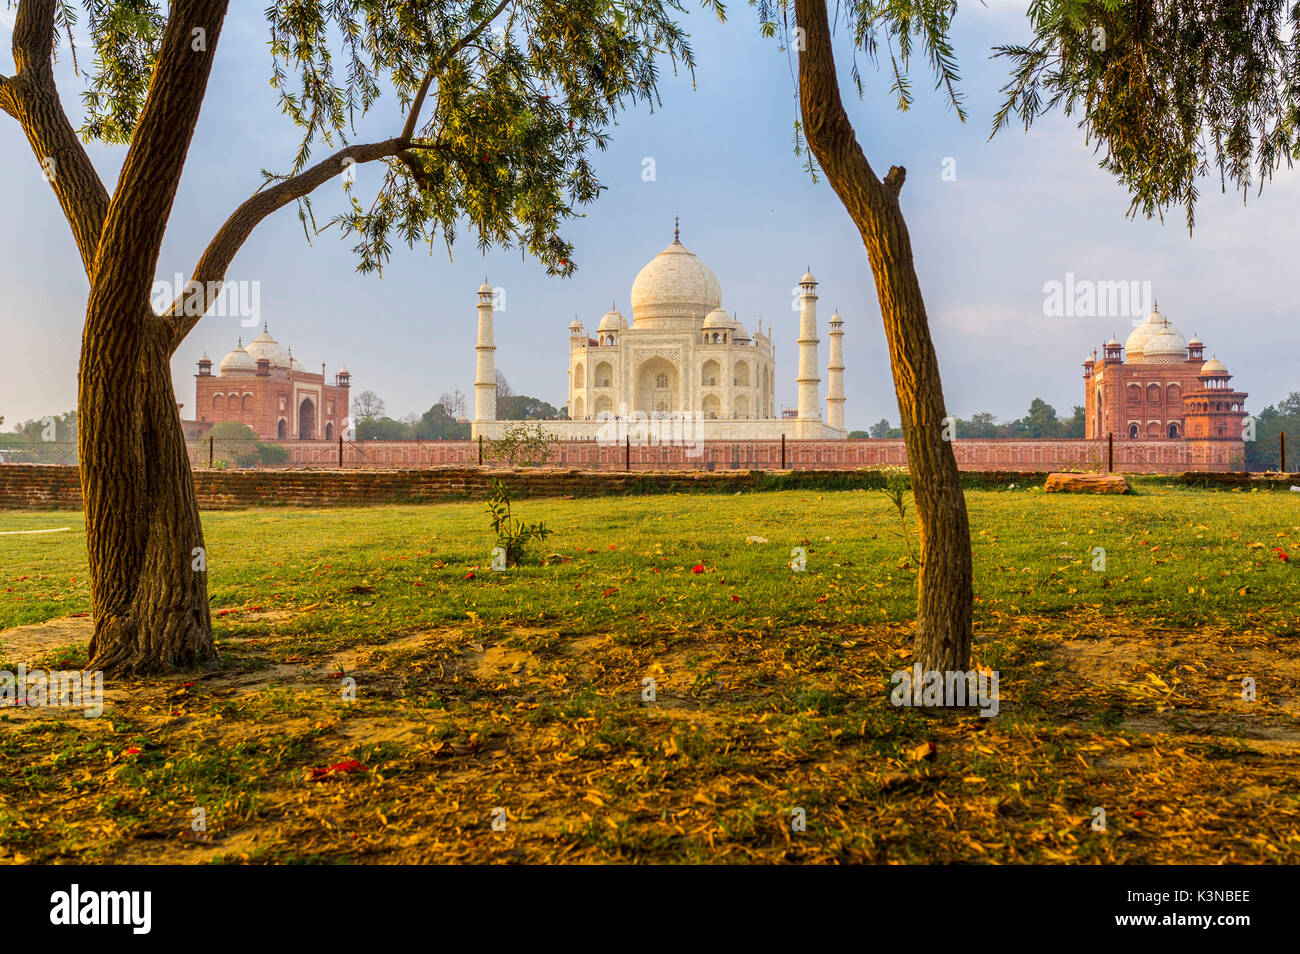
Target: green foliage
(1041, 423)
(523, 445)
(1264, 452)
(513, 535)
(897, 26)
(881, 429)
(46, 440)
(514, 97)
(383, 429)
(438, 424)
(1166, 89)
(521, 407)
(240, 442)
(898, 486)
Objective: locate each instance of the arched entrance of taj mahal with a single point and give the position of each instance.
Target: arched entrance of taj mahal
(658, 387)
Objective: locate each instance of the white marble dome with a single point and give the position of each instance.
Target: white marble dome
(1138, 337)
(238, 360)
(612, 321)
(264, 346)
(717, 318)
(1156, 340)
(1214, 366)
(675, 284)
(1165, 345)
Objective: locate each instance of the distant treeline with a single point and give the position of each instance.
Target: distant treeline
(1040, 423)
(446, 420)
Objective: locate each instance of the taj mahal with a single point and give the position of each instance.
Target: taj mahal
(681, 355)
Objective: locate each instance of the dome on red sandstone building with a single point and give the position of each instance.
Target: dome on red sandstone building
(1155, 341)
(264, 346)
(238, 360)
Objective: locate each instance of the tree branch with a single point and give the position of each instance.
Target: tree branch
(408, 131)
(210, 271)
(33, 40)
(141, 207)
(32, 98)
(826, 124)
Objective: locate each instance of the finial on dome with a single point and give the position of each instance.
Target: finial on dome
(266, 326)
(677, 231)
(241, 341)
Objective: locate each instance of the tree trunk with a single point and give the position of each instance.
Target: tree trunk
(148, 565)
(944, 596)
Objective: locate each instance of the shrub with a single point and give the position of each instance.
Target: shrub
(513, 536)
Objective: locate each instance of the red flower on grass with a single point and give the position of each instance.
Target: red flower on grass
(1281, 555)
(698, 568)
(338, 768)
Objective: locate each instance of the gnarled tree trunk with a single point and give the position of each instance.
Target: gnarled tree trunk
(945, 597)
(148, 563)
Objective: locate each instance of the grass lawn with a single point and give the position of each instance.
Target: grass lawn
(519, 694)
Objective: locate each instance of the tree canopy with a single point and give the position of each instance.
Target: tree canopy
(1167, 89)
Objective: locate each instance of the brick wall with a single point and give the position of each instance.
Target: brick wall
(42, 486)
(1137, 457)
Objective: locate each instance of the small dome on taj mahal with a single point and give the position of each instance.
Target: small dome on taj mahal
(1214, 366)
(717, 318)
(612, 321)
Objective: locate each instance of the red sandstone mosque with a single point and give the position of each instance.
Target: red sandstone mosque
(1161, 388)
(265, 387)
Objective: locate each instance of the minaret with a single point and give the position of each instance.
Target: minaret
(835, 375)
(485, 377)
(808, 381)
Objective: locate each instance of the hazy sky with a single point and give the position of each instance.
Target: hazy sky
(1021, 211)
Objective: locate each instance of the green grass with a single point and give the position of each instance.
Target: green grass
(1032, 552)
(523, 688)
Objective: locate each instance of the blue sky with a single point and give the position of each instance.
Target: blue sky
(1023, 210)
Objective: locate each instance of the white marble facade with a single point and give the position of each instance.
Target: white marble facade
(681, 355)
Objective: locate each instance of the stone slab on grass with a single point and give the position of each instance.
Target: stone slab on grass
(1086, 484)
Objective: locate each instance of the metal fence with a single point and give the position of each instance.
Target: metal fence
(38, 452)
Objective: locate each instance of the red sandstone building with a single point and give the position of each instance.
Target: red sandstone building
(264, 387)
(1160, 387)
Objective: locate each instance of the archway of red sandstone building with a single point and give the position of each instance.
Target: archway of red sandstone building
(306, 420)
